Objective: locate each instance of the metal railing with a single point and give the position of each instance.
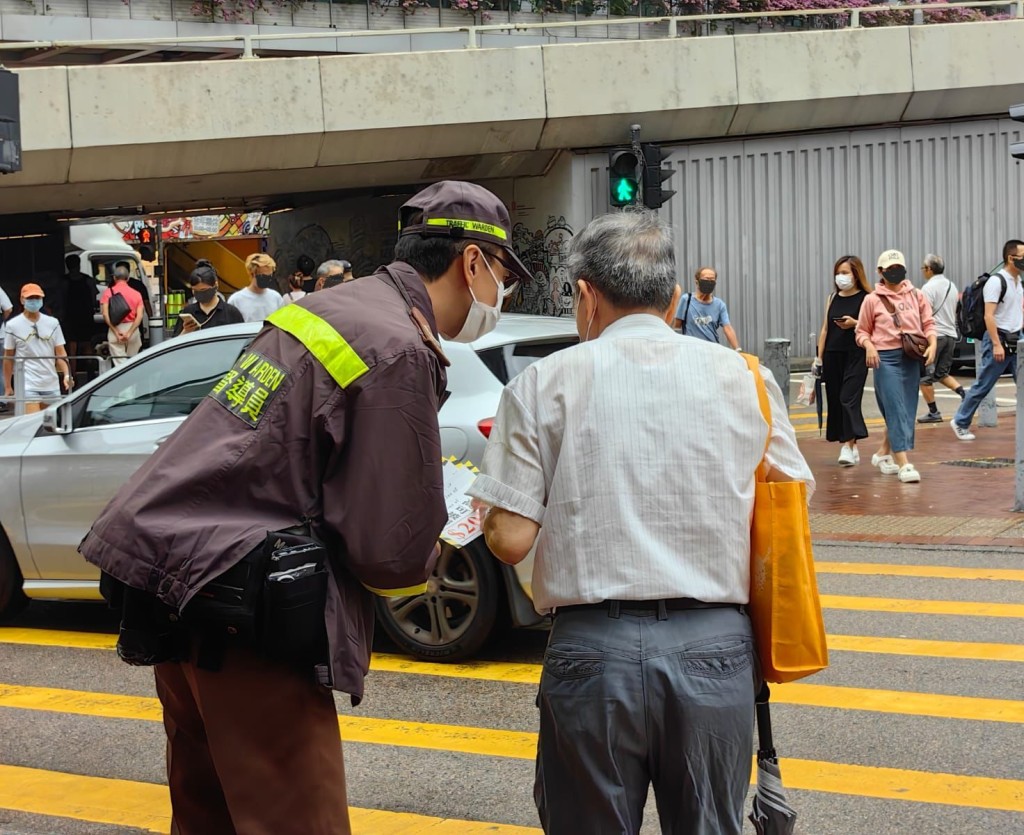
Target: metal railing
(474, 31)
(98, 365)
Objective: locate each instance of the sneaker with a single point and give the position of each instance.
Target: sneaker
(885, 464)
(964, 434)
(856, 455)
(846, 457)
(909, 475)
(931, 417)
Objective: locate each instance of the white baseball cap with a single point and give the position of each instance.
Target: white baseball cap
(891, 257)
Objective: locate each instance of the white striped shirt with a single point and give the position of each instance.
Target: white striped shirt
(636, 454)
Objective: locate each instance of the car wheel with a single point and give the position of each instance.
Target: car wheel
(456, 615)
(12, 598)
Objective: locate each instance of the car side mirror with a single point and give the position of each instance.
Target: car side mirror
(57, 419)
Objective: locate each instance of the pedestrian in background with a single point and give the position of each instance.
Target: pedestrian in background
(207, 310)
(1004, 316)
(257, 301)
(896, 375)
(38, 341)
(332, 273)
(942, 296)
(78, 303)
(842, 361)
(296, 282)
(644, 558)
(123, 337)
(700, 314)
(304, 266)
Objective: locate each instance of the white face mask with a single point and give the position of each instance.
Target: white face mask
(844, 282)
(482, 318)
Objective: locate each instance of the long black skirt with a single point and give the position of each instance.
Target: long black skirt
(844, 374)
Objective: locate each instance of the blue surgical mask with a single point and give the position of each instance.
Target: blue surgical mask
(33, 305)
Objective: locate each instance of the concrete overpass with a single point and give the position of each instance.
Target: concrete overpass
(252, 132)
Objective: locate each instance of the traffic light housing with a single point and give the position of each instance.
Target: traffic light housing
(623, 177)
(655, 194)
(1017, 148)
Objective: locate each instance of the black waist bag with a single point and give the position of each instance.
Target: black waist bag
(274, 598)
(1009, 341)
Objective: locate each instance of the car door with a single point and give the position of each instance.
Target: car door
(66, 480)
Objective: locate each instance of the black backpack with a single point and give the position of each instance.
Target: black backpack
(117, 308)
(970, 309)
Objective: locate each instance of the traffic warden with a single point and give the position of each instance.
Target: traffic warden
(320, 447)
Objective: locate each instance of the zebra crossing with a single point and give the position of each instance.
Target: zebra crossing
(915, 728)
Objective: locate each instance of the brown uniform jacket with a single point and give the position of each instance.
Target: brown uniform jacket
(283, 440)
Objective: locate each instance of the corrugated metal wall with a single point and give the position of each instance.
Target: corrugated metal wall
(773, 214)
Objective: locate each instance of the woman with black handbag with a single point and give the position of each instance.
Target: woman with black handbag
(897, 333)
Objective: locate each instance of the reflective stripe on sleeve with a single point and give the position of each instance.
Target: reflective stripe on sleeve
(409, 591)
(322, 341)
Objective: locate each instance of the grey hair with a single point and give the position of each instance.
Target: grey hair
(935, 264)
(325, 268)
(629, 256)
(121, 272)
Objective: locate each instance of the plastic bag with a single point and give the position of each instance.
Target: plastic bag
(806, 395)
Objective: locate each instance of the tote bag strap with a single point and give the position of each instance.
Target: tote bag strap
(754, 364)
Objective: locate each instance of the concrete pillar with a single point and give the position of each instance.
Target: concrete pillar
(776, 359)
(987, 410)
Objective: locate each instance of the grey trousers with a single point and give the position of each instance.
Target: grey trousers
(634, 700)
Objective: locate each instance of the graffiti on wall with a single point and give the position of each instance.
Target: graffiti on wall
(545, 252)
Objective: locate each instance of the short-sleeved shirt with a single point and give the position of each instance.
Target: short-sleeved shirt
(1009, 312)
(222, 314)
(942, 296)
(256, 307)
(131, 296)
(5, 305)
(37, 342)
(703, 319)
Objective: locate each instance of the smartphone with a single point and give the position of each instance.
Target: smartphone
(839, 319)
(188, 317)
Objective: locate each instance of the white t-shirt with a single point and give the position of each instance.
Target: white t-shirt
(1010, 313)
(5, 305)
(38, 341)
(942, 296)
(255, 307)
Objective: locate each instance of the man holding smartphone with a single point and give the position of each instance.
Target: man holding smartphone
(207, 311)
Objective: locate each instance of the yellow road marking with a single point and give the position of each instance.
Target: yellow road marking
(923, 607)
(529, 673)
(148, 806)
(939, 572)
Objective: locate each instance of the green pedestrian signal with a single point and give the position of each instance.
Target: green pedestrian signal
(625, 191)
(623, 177)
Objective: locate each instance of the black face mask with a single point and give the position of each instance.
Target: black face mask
(1018, 263)
(706, 287)
(205, 296)
(266, 282)
(895, 274)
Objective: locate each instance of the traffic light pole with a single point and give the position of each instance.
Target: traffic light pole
(634, 139)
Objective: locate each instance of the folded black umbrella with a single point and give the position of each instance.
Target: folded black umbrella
(771, 813)
(817, 400)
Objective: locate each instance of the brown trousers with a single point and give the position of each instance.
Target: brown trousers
(252, 749)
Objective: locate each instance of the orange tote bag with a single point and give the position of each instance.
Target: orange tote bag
(784, 606)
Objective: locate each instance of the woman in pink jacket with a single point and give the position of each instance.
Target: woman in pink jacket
(897, 376)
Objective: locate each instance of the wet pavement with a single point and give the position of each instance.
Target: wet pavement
(965, 496)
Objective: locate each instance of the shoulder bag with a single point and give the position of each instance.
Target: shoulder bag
(914, 344)
(785, 610)
(117, 308)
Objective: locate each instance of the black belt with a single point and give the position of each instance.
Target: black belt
(614, 607)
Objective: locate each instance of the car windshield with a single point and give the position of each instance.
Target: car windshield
(506, 361)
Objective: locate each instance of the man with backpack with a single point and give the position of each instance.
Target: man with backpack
(1003, 297)
(123, 311)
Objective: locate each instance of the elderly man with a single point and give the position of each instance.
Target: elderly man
(123, 335)
(332, 273)
(643, 545)
(942, 295)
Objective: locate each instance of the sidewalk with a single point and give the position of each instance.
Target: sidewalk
(963, 504)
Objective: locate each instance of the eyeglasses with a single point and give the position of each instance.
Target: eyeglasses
(510, 279)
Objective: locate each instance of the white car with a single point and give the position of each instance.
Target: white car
(60, 467)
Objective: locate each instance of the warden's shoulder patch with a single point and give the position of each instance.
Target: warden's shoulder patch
(247, 389)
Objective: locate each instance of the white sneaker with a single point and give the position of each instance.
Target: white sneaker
(960, 432)
(885, 463)
(856, 455)
(909, 475)
(847, 457)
